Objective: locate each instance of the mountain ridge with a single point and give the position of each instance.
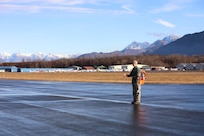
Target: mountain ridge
(134, 48)
(26, 57)
(189, 44)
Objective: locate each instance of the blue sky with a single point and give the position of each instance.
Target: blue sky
(84, 26)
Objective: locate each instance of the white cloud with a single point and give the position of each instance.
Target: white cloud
(97, 6)
(18, 1)
(66, 2)
(4, 8)
(127, 9)
(165, 23)
(35, 9)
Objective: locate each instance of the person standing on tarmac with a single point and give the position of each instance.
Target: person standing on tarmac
(135, 74)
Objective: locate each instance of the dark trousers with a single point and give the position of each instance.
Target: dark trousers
(136, 91)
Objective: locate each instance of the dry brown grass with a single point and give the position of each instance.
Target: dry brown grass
(176, 77)
(113, 77)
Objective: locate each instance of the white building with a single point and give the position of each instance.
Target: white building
(127, 67)
(158, 68)
(115, 67)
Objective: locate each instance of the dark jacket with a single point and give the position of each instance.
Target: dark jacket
(135, 73)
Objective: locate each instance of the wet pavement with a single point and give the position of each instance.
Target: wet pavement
(31, 108)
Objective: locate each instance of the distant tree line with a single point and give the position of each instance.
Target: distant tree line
(152, 60)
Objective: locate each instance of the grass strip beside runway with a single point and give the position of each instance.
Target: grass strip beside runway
(110, 77)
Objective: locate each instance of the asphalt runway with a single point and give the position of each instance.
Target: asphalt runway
(32, 108)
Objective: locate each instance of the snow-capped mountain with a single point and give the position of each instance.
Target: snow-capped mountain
(146, 45)
(138, 46)
(135, 48)
(26, 57)
(159, 43)
(4, 57)
(189, 44)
